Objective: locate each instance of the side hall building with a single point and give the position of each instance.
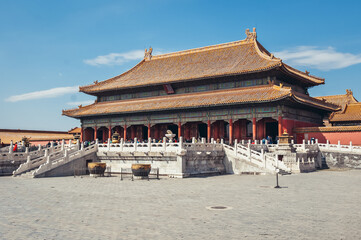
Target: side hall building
(235, 90)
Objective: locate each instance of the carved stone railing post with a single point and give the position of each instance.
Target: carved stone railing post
(316, 140)
(328, 144)
(193, 140)
(351, 147)
(263, 158)
(181, 142)
(62, 144)
(164, 144)
(222, 141)
(108, 145)
(249, 150)
(339, 144)
(97, 141)
(242, 141)
(121, 144)
(11, 147)
(304, 144)
(203, 140)
(235, 146)
(27, 150)
(149, 144)
(135, 144)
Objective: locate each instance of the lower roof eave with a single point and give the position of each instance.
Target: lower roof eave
(178, 109)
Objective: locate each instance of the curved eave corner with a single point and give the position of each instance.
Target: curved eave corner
(315, 103)
(312, 80)
(89, 88)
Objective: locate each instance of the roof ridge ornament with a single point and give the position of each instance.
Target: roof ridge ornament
(349, 92)
(148, 54)
(251, 35)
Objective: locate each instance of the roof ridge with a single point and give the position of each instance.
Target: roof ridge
(201, 49)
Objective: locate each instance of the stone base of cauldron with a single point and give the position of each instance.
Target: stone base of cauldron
(141, 172)
(97, 174)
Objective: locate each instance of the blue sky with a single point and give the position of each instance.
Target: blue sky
(49, 48)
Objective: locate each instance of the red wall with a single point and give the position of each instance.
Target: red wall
(333, 137)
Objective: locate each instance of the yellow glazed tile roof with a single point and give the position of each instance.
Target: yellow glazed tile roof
(6, 135)
(351, 113)
(328, 129)
(240, 57)
(258, 94)
(340, 100)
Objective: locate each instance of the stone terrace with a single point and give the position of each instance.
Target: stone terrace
(318, 205)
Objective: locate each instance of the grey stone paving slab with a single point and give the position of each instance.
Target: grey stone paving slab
(319, 205)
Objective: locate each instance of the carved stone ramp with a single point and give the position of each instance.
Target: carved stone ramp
(32, 164)
(68, 163)
(244, 160)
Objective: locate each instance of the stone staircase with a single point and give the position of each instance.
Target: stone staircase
(244, 160)
(41, 166)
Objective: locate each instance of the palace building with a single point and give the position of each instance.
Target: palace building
(235, 90)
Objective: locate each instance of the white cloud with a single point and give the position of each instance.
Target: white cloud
(112, 59)
(50, 93)
(116, 58)
(318, 58)
(87, 102)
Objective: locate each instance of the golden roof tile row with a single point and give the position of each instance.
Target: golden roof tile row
(258, 94)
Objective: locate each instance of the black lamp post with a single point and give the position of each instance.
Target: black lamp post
(277, 186)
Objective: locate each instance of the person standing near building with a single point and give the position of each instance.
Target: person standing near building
(15, 147)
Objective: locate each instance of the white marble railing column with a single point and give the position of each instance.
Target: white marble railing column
(351, 147)
(328, 144)
(193, 140)
(11, 147)
(97, 141)
(135, 144)
(242, 141)
(338, 145)
(304, 144)
(222, 141)
(235, 146)
(108, 145)
(164, 144)
(27, 150)
(149, 144)
(121, 144)
(181, 142)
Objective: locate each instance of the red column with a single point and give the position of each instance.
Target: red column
(95, 133)
(254, 128)
(208, 131)
(149, 130)
(279, 125)
(230, 131)
(82, 134)
(110, 132)
(125, 133)
(179, 130)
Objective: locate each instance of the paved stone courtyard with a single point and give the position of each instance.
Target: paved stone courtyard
(319, 205)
